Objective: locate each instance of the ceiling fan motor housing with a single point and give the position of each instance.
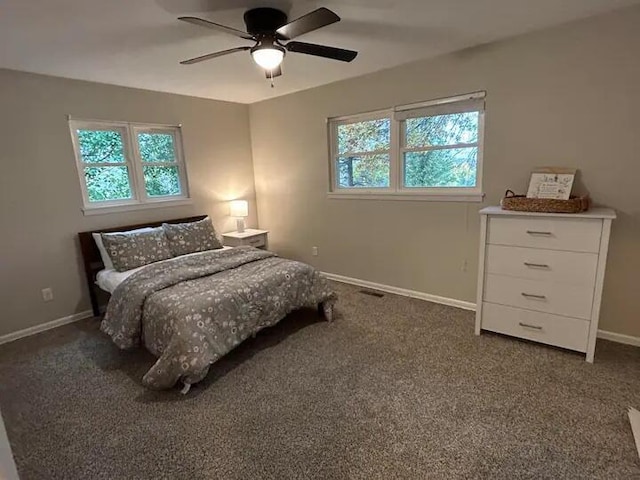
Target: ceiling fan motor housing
(262, 21)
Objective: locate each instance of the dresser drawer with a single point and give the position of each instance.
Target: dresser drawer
(538, 264)
(546, 328)
(257, 241)
(577, 235)
(561, 299)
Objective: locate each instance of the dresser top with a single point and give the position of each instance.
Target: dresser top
(248, 232)
(595, 212)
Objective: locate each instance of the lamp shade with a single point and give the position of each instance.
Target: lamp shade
(239, 208)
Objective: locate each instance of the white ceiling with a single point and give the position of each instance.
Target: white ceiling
(139, 43)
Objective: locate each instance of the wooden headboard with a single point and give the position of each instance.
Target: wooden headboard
(91, 255)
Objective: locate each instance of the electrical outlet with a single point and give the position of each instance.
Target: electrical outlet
(314, 251)
(465, 265)
(47, 294)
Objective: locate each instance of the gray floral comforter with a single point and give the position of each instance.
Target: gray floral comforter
(190, 311)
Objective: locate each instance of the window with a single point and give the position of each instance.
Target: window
(431, 151)
(123, 166)
(364, 153)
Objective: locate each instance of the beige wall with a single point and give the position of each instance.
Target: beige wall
(40, 196)
(566, 96)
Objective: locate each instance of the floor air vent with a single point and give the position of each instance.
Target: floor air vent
(372, 294)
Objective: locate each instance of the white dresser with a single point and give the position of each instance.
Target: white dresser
(540, 275)
(251, 236)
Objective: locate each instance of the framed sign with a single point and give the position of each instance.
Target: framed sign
(551, 182)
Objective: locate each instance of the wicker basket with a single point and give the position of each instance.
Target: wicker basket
(521, 203)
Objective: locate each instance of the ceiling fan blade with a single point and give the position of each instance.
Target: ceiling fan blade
(307, 23)
(276, 72)
(322, 51)
(213, 55)
(215, 26)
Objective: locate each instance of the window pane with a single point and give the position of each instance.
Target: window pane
(454, 167)
(366, 171)
(107, 183)
(101, 146)
(369, 136)
(156, 147)
(442, 130)
(161, 181)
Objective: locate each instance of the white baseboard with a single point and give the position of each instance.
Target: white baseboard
(10, 337)
(452, 302)
(619, 338)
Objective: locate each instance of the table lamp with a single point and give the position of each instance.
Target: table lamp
(239, 209)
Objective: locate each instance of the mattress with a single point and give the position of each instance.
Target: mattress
(108, 279)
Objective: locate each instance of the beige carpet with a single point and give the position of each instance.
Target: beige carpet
(395, 388)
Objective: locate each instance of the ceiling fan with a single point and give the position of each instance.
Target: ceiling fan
(268, 27)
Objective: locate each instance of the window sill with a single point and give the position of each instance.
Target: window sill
(414, 197)
(103, 210)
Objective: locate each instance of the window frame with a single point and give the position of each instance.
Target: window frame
(397, 190)
(335, 155)
(133, 161)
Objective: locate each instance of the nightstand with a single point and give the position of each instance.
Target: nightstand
(251, 237)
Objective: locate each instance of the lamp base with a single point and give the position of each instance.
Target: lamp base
(240, 225)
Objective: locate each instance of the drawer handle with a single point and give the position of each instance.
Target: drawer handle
(531, 295)
(536, 265)
(526, 325)
(535, 232)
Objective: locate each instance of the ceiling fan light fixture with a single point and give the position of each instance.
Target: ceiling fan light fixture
(268, 56)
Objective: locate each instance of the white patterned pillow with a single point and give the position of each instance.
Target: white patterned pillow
(132, 250)
(106, 260)
(191, 237)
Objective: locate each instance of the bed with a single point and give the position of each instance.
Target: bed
(192, 309)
